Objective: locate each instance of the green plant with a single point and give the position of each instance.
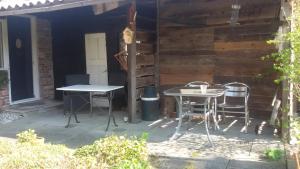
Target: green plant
(29, 153)
(287, 64)
(289, 69)
(116, 152)
(28, 136)
(274, 154)
(6, 147)
(190, 165)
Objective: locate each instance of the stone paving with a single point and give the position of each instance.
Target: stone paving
(233, 149)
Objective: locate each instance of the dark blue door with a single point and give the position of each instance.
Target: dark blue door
(20, 58)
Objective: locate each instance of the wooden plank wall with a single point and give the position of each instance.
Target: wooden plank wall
(197, 43)
(145, 70)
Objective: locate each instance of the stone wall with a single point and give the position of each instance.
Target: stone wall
(4, 90)
(4, 97)
(44, 52)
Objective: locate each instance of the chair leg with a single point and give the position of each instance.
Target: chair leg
(206, 121)
(223, 116)
(191, 110)
(65, 112)
(207, 116)
(246, 121)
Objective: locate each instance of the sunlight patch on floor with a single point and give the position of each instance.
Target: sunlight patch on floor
(230, 125)
(155, 122)
(167, 124)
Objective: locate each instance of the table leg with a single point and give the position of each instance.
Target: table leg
(73, 112)
(64, 103)
(91, 103)
(110, 113)
(75, 115)
(110, 105)
(208, 109)
(180, 116)
(70, 113)
(215, 115)
(206, 121)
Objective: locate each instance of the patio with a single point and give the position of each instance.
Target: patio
(233, 149)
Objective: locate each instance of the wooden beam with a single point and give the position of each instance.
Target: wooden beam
(56, 7)
(132, 104)
(101, 8)
(180, 7)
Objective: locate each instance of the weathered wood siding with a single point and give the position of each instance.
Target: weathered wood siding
(145, 68)
(197, 43)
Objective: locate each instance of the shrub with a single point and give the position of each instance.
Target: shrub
(6, 147)
(115, 152)
(29, 156)
(28, 136)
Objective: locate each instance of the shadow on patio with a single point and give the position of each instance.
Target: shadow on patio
(233, 149)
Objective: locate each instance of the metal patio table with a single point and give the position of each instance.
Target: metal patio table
(210, 94)
(107, 91)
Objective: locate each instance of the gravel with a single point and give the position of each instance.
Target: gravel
(7, 117)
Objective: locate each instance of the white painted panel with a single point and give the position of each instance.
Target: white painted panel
(96, 62)
(96, 58)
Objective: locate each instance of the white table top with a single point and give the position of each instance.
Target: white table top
(90, 88)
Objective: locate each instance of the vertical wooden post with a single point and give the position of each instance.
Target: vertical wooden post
(132, 65)
(285, 28)
(289, 101)
(292, 99)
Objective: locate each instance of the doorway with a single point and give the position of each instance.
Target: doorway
(20, 58)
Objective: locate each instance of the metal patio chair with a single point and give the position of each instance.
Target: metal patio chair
(236, 101)
(196, 104)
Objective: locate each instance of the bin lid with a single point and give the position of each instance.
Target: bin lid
(150, 98)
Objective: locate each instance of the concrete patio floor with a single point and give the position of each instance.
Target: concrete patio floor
(233, 149)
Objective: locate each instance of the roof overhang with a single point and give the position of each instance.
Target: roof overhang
(47, 6)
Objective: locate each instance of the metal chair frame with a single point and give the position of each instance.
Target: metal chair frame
(236, 90)
(192, 105)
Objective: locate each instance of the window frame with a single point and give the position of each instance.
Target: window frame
(4, 53)
(1, 46)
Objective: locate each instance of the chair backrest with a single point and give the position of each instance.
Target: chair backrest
(236, 89)
(76, 79)
(196, 84)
